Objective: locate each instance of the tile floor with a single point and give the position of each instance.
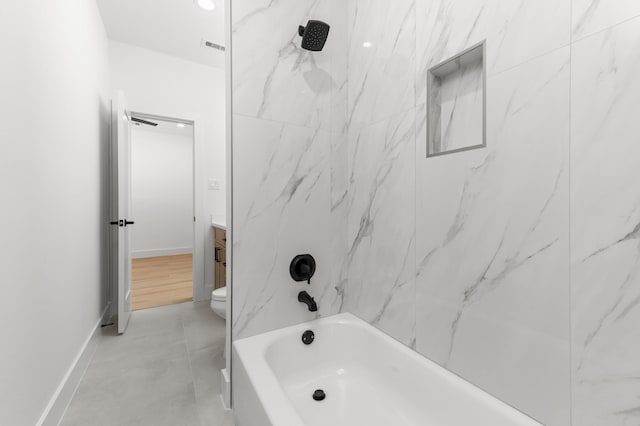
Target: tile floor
(165, 370)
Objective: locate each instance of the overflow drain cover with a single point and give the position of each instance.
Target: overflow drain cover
(307, 337)
(319, 395)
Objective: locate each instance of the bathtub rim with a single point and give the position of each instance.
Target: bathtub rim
(252, 351)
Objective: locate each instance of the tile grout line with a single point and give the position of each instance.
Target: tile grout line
(570, 268)
(602, 30)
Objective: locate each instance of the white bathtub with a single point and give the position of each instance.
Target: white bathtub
(369, 379)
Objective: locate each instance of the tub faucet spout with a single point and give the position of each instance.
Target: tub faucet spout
(304, 297)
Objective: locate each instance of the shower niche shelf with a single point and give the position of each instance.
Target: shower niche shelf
(456, 102)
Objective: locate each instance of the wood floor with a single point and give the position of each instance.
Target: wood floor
(160, 281)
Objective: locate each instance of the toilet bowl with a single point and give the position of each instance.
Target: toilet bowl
(219, 302)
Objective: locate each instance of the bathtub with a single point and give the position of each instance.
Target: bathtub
(368, 379)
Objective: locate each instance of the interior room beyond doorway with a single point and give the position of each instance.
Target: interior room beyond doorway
(163, 207)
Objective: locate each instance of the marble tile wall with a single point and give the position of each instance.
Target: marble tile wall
(381, 202)
(591, 16)
(456, 256)
(515, 266)
(516, 31)
(289, 160)
(605, 219)
(381, 41)
(495, 246)
(381, 235)
(493, 250)
(480, 281)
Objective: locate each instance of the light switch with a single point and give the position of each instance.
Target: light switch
(214, 184)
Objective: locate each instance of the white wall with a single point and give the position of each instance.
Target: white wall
(159, 84)
(54, 104)
(162, 192)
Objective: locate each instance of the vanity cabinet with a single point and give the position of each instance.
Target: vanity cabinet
(220, 253)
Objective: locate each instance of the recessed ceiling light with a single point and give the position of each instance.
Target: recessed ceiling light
(207, 5)
(180, 125)
(367, 44)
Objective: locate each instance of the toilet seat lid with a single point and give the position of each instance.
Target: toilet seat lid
(219, 294)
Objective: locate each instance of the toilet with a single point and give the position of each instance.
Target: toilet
(219, 302)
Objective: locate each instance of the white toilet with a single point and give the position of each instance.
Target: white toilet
(219, 302)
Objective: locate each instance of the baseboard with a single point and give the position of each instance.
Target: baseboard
(61, 398)
(140, 254)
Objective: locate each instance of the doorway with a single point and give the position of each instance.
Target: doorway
(163, 206)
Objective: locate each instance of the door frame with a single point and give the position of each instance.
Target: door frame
(199, 290)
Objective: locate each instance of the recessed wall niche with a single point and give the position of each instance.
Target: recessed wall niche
(456, 100)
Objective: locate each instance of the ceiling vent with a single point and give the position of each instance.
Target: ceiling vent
(213, 45)
(137, 121)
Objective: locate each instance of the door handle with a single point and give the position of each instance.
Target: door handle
(128, 222)
(117, 222)
(216, 256)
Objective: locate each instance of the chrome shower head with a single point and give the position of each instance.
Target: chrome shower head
(314, 35)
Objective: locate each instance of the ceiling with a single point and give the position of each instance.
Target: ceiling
(173, 27)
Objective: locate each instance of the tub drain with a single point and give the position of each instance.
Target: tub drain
(307, 337)
(319, 395)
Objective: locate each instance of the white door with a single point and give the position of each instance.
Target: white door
(120, 213)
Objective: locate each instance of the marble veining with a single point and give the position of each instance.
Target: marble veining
(591, 16)
(290, 159)
(381, 238)
(281, 208)
(381, 59)
(274, 78)
(605, 228)
(493, 262)
(496, 244)
(516, 31)
(462, 120)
